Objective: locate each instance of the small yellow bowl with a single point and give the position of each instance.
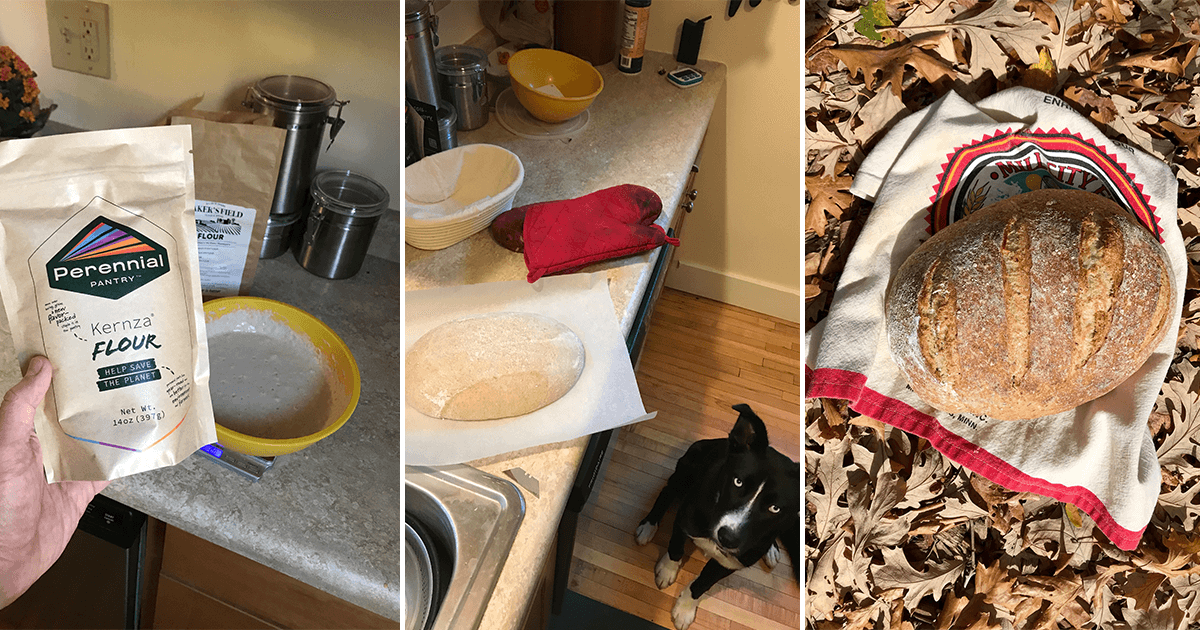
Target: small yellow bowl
(577, 81)
(344, 370)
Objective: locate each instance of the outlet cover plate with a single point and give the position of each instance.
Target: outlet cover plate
(79, 36)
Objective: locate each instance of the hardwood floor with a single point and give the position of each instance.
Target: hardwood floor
(700, 358)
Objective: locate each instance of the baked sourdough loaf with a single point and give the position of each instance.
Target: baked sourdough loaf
(1031, 306)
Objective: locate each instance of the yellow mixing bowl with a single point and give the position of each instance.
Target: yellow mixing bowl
(343, 371)
(550, 70)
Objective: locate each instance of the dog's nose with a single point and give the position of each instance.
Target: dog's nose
(725, 536)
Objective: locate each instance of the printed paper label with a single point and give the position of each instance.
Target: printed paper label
(222, 240)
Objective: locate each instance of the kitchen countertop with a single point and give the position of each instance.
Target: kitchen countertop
(643, 130)
(328, 515)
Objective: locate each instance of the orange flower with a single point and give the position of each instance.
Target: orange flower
(3, 103)
(31, 91)
(28, 114)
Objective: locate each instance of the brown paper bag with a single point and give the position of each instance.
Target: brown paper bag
(237, 157)
(99, 273)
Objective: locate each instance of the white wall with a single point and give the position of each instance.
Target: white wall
(742, 243)
(166, 51)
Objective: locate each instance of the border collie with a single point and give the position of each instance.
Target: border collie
(737, 496)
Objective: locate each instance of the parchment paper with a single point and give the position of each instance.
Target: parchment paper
(605, 397)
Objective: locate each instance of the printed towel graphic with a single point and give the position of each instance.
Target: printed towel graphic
(936, 167)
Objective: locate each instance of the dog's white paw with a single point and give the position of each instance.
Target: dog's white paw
(684, 612)
(645, 532)
(772, 557)
(665, 571)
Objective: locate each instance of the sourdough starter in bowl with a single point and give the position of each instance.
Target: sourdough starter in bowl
(267, 380)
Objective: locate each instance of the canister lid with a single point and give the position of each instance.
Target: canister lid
(349, 194)
(458, 60)
(417, 10)
(294, 93)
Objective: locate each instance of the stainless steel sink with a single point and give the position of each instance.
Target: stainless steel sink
(468, 520)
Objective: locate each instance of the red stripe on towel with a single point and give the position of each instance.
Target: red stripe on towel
(833, 383)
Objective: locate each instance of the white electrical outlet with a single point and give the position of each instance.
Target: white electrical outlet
(79, 36)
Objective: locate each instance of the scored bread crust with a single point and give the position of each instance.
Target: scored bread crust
(1029, 307)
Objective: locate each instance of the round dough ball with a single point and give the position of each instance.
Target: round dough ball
(494, 365)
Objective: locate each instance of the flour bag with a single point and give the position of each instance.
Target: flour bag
(98, 272)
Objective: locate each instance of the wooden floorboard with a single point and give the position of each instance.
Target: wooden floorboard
(701, 357)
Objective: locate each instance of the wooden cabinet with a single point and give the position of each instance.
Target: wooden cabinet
(203, 585)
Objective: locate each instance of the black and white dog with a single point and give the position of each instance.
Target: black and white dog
(737, 496)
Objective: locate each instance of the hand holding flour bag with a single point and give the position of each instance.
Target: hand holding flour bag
(99, 274)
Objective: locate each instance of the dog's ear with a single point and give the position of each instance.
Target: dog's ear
(749, 432)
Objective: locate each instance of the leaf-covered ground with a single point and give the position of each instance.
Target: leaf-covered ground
(896, 535)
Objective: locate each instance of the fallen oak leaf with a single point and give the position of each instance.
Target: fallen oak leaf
(827, 468)
(1169, 615)
(1063, 592)
(1182, 400)
(891, 62)
(1102, 108)
(897, 572)
(1187, 137)
(1140, 587)
(829, 196)
(829, 145)
(1162, 60)
(868, 509)
(999, 21)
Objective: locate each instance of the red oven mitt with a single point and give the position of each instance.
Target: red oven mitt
(567, 235)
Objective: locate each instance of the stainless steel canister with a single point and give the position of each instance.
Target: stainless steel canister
(462, 75)
(345, 210)
(420, 37)
(301, 106)
(447, 131)
(280, 229)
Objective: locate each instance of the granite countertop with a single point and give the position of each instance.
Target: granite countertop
(327, 515)
(642, 130)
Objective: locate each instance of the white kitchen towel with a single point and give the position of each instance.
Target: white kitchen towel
(939, 165)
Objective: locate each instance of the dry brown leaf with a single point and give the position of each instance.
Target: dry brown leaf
(881, 112)
(1063, 592)
(1140, 587)
(1182, 400)
(897, 572)
(891, 62)
(828, 146)
(827, 468)
(1187, 137)
(830, 197)
(926, 479)
(1168, 616)
(1103, 110)
(822, 595)
(1172, 60)
(999, 23)
(872, 526)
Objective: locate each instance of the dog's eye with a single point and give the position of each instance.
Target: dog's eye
(737, 483)
(774, 509)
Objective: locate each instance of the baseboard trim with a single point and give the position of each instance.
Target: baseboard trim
(730, 288)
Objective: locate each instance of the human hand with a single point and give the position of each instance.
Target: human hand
(37, 518)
